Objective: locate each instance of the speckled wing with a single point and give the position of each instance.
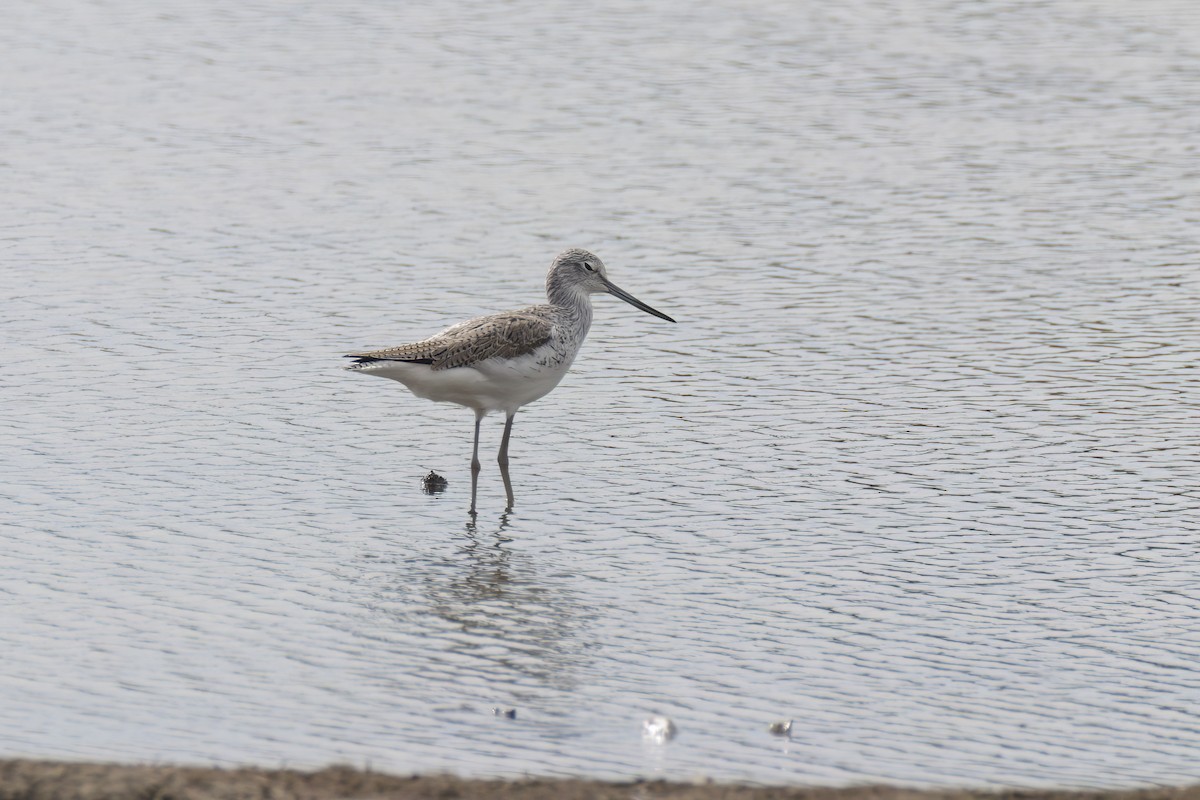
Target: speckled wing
(507, 335)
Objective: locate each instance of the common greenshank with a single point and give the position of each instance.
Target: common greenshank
(501, 362)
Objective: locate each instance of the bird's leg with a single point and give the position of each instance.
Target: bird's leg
(502, 457)
(475, 465)
(507, 488)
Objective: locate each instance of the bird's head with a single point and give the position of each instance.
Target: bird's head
(578, 271)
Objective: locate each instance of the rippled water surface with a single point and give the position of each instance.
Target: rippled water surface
(918, 467)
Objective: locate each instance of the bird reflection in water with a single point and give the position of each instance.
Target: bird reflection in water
(510, 616)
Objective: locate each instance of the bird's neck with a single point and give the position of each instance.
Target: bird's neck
(576, 302)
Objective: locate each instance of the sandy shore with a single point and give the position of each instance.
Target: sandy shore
(52, 780)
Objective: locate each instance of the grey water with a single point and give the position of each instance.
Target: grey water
(919, 467)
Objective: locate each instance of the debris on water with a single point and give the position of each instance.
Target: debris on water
(433, 483)
(658, 729)
(507, 713)
(781, 728)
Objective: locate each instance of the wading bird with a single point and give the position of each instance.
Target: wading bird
(501, 362)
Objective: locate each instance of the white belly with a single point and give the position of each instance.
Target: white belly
(494, 385)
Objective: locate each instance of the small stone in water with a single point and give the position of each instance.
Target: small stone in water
(658, 728)
(433, 483)
(507, 713)
(782, 728)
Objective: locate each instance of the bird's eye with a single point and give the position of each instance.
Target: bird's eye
(589, 267)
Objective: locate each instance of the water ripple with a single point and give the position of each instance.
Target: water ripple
(917, 467)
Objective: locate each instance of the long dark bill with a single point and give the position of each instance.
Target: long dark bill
(617, 291)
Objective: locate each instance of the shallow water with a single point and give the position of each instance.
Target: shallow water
(917, 467)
